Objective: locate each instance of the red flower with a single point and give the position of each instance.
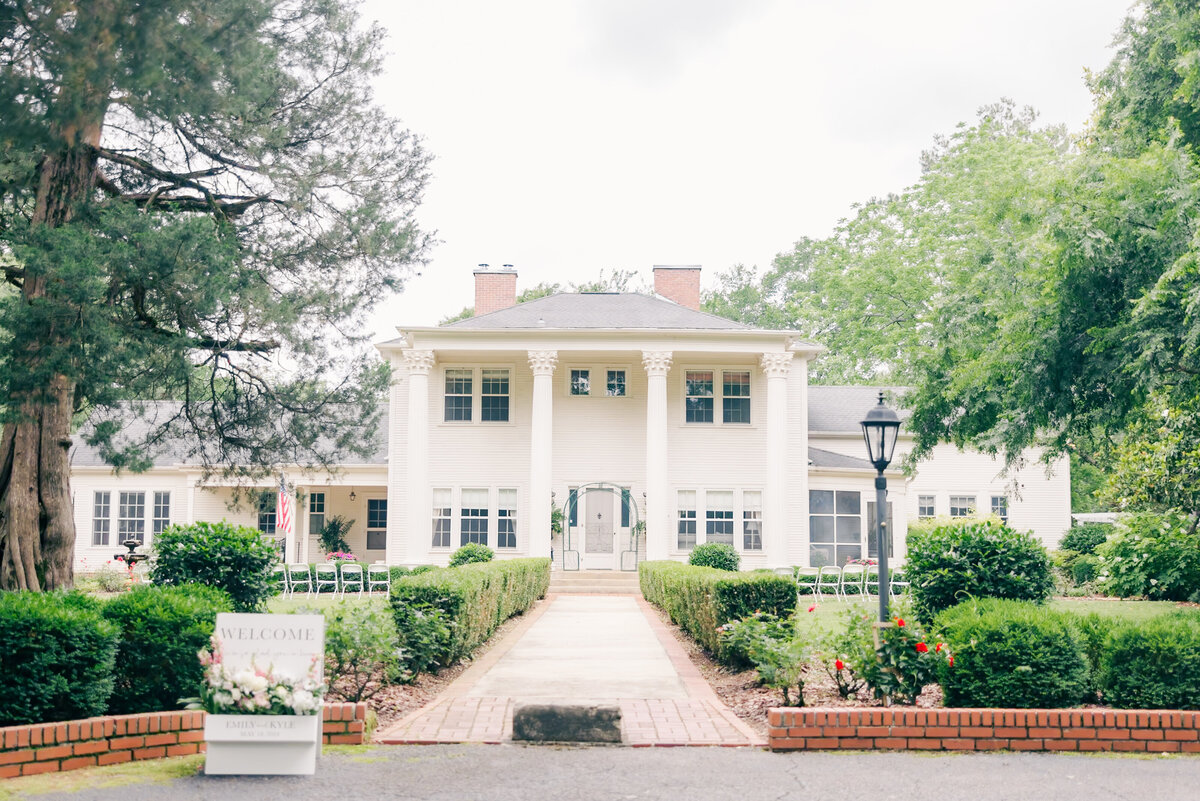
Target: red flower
(900, 622)
(839, 665)
(951, 660)
(812, 608)
(922, 648)
(937, 649)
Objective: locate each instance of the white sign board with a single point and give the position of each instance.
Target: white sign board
(282, 643)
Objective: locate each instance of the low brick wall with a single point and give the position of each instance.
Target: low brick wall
(983, 730)
(53, 747)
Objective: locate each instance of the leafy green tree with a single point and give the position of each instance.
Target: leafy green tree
(198, 201)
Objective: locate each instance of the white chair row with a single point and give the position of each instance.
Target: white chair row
(845, 582)
(329, 578)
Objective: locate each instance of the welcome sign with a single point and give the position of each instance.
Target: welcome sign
(283, 643)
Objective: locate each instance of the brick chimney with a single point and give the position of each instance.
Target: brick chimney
(494, 289)
(680, 284)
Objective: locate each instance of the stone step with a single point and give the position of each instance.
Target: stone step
(594, 582)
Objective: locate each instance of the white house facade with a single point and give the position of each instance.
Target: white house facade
(651, 425)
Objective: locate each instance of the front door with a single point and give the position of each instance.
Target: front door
(599, 537)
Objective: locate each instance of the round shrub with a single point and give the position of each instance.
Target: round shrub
(470, 553)
(1151, 554)
(949, 562)
(1153, 665)
(1085, 568)
(1085, 537)
(361, 649)
(715, 554)
(161, 629)
(235, 559)
(56, 657)
(1012, 654)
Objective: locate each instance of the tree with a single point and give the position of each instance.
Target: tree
(198, 200)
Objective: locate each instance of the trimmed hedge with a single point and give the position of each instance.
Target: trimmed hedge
(700, 599)
(1154, 664)
(951, 561)
(475, 599)
(1012, 654)
(715, 554)
(234, 558)
(1085, 537)
(161, 630)
(56, 657)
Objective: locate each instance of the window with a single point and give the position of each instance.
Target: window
(699, 401)
(626, 502)
(962, 505)
(316, 513)
(573, 508)
(101, 510)
(131, 516)
(162, 512)
(442, 522)
(493, 401)
(376, 524)
(1000, 507)
(834, 527)
(752, 521)
(718, 517)
(735, 399)
(474, 523)
(506, 525)
(872, 551)
(581, 382)
(925, 506)
(687, 520)
(266, 512)
(459, 385)
(616, 384)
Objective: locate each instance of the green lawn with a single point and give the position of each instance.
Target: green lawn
(281, 605)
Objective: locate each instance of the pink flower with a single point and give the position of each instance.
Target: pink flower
(922, 648)
(839, 665)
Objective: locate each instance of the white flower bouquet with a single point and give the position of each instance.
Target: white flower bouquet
(255, 691)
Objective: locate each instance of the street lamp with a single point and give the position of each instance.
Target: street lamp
(880, 429)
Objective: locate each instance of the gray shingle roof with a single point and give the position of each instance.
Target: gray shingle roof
(599, 310)
(841, 409)
(822, 458)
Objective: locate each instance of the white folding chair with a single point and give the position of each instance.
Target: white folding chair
(829, 578)
(898, 581)
(326, 575)
(851, 584)
(279, 575)
(379, 576)
(871, 581)
(806, 580)
(352, 578)
(299, 577)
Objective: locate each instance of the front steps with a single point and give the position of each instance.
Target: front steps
(594, 582)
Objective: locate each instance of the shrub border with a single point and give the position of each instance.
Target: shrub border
(73, 744)
(1156, 730)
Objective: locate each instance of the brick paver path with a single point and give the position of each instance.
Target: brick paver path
(657, 708)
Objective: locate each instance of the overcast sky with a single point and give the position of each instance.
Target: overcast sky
(574, 136)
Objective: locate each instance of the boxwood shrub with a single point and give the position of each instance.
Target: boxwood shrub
(715, 554)
(1154, 664)
(951, 561)
(1085, 537)
(474, 598)
(233, 558)
(161, 630)
(1012, 654)
(56, 657)
(700, 599)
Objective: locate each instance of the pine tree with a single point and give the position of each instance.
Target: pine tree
(198, 201)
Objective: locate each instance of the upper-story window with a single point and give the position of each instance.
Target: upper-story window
(581, 382)
(701, 397)
(616, 384)
(491, 392)
(699, 400)
(735, 396)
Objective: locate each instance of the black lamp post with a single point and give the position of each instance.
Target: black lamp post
(880, 429)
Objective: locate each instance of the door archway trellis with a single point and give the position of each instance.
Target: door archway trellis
(570, 549)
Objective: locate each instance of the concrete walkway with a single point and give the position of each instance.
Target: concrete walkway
(582, 649)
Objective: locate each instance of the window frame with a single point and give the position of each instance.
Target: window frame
(507, 518)
(448, 518)
(583, 372)
(971, 507)
(836, 515)
(748, 398)
(376, 529)
(720, 517)
(685, 520)
(752, 518)
(718, 397)
(484, 519)
(123, 518)
(97, 519)
(921, 507)
(160, 513)
(624, 371)
(477, 395)
(1003, 505)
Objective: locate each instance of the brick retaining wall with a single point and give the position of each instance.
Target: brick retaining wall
(52, 747)
(983, 729)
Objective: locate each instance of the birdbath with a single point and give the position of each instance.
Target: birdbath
(132, 558)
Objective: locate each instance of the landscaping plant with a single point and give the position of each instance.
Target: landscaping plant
(773, 646)
(333, 534)
(362, 649)
(844, 653)
(905, 660)
(1154, 664)
(717, 555)
(1085, 537)
(236, 559)
(1152, 554)
(471, 553)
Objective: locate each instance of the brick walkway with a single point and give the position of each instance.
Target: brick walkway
(684, 712)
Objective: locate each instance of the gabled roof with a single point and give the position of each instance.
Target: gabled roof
(600, 310)
(840, 410)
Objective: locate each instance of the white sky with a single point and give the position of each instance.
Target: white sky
(572, 136)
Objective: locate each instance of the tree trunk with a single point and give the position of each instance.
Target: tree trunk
(37, 523)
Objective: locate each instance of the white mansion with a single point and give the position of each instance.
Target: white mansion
(653, 425)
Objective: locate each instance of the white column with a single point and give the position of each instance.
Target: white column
(541, 442)
(658, 505)
(418, 514)
(301, 525)
(775, 367)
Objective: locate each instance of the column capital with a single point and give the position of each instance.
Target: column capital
(418, 362)
(776, 365)
(542, 362)
(657, 362)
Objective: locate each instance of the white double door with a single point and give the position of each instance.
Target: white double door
(598, 524)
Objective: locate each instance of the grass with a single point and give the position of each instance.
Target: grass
(281, 605)
(150, 771)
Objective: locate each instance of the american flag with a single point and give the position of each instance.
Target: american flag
(283, 511)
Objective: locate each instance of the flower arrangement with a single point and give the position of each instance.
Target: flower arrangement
(340, 556)
(254, 691)
(864, 562)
